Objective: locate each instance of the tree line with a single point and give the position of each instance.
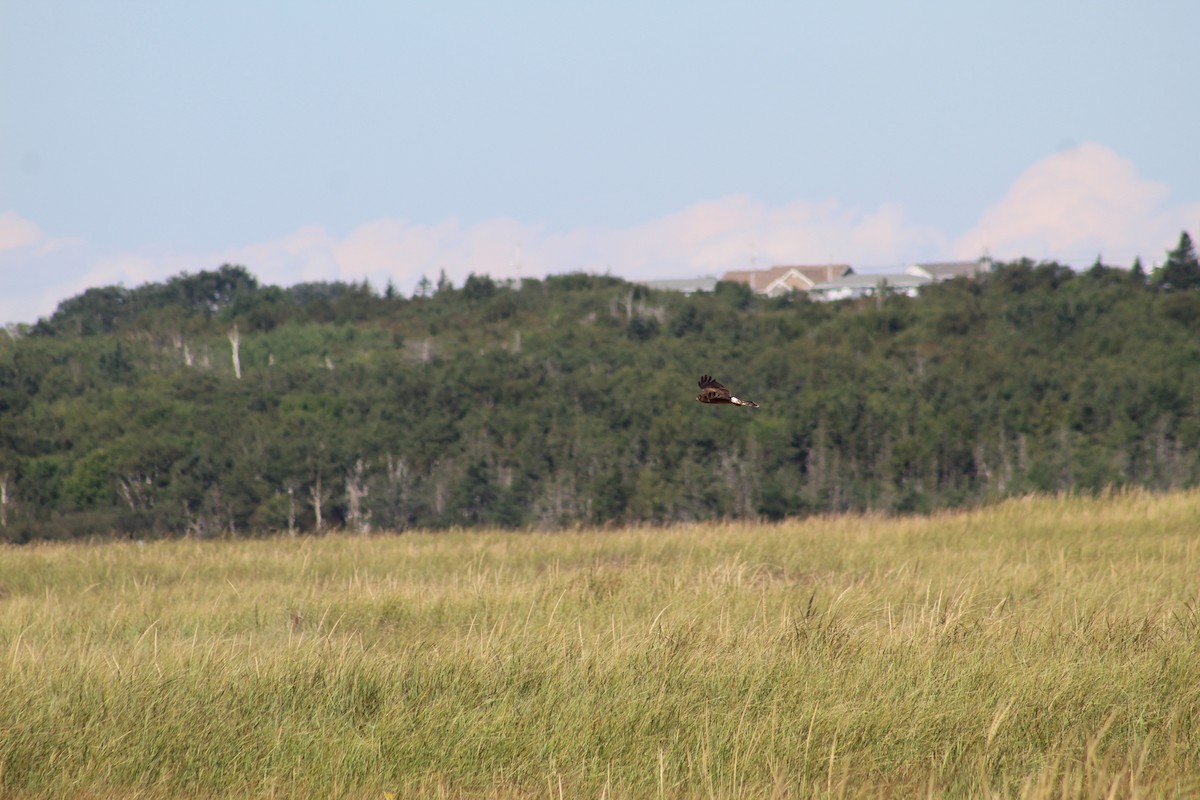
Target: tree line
(212, 405)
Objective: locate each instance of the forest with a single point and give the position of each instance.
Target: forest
(212, 405)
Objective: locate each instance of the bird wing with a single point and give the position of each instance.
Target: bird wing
(712, 388)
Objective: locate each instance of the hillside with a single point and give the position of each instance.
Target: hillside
(570, 401)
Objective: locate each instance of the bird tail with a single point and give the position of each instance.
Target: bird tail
(749, 403)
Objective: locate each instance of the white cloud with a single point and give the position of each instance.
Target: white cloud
(1070, 207)
(709, 237)
(1077, 204)
(20, 234)
(32, 266)
(725, 234)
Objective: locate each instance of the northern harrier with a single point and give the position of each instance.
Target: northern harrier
(711, 391)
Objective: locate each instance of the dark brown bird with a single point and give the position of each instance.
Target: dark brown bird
(711, 391)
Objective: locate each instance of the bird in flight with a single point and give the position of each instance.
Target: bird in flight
(711, 391)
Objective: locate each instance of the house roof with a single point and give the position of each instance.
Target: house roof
(756, 279)
(945, 270)
(894, 280)
(819, 273)
(685, 285)
(786, 276)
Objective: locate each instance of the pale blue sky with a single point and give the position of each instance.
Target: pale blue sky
(381, 139)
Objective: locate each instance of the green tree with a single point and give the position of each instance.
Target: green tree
(1182, 269)
(478, 287)
(1138, 272)
(571, 399)
(90, 483)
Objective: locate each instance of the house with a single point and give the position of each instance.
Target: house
(947, 270)
(863, 285)
(684, 285)
(780, 280)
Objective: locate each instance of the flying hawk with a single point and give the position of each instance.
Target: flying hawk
(711, 391)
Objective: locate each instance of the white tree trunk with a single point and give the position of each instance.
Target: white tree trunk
(235, 340)
(356, 490)
(291, 490)
(317, 501)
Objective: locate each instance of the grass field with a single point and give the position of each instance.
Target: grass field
(1040, 648)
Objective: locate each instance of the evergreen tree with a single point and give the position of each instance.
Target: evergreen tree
(1138, 272)
(1182, 269)
(493, 405)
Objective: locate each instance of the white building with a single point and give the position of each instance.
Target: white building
(781, 280)
(948, 270)
(864, 285)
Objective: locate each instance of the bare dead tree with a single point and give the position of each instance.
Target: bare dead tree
(235, 341)
(422, 351)
(437, 473)
(291, 493)
(184, 350)
(397, 488)
(181, 346)
(318, 498)
(356, 490)
(136, 490)
(559, 503)
(397, 469)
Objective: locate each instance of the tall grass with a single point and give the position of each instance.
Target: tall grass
(1047, 647)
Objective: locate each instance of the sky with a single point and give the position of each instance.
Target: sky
(321, 141)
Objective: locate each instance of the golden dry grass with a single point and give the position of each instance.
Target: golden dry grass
(1047, 647)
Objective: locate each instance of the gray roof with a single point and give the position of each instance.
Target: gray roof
(866, 280)
(786, 277)
(944, 270)
(685, 285)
